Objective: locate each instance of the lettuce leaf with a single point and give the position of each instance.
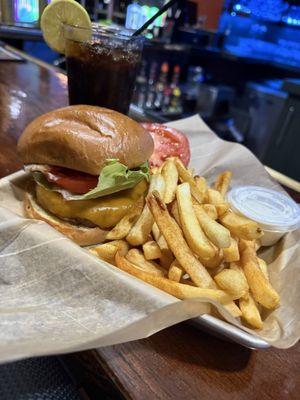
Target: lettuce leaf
(113, 178)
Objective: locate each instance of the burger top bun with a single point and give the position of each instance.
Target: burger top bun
(83, 137)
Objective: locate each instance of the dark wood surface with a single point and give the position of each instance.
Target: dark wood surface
(178, 363)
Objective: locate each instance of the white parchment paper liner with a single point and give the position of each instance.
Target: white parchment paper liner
(56, 297)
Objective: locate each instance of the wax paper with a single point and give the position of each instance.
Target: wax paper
(56, 297)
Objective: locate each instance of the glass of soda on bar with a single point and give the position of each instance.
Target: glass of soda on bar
(102, 65)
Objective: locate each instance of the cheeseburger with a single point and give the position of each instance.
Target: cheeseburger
(89, 166)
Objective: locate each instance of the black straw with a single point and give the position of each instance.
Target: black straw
(149, 22)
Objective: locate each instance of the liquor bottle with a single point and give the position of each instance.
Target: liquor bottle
(175, 77)
(176, 102)
(167, 100)
(133, 16)
(161, 85)
(151, 87)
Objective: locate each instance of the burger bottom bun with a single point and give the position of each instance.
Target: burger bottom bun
(81, 235)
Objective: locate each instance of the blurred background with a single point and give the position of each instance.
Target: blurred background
(236, 63)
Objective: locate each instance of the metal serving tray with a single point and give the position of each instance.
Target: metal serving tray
(224, 330)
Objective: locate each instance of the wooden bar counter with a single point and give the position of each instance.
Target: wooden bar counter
(181, 362)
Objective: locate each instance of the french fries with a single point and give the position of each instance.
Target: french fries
(140, 231)
(240, 226)
(193, 233)
(186, 176)
(215, 198)
(202, 187)
(248, 307)
(215, 232)
(210, 210)
(260, 287)
(250, 312)
(264, 268)
(223, 182)
(231, 253)
(166, 254)
(107, 251)
(175, 272)
(152, 250)
(121, 230)
(214, 262)
(175, 212)
(137, 258)
(199, 249)
(176, 242)
(233, 309)
(232, 282)
(179, 290)
(170, 175)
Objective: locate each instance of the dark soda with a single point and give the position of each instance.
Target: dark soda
(100, 74)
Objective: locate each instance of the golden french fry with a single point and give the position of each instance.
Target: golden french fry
(193, 233)
(136, 257)
(215, 198)
(175, 272)
(240, 226)
(140, 231)
(167, 257)
(248, 306)
(202, 187)
(264, 267)
(151, 250)
(233, 309)
(215, 232)
(107, 251)
(179, 290)
(213, 262)
(222, 208)
(176, 242)
(244, 244)
(260, 287)
(223, 182)
(175, 212)
(121, 230)
(170, 174)
(232, 282)
(210, 210)
(232, 253)
(250, 312)
(186, 176)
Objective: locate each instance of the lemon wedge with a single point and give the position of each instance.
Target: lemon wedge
(58, 13)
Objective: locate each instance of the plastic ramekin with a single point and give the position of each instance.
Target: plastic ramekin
(276, 212)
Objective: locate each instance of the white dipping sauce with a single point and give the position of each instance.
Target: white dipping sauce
(276, 212)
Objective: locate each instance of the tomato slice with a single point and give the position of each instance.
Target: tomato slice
(168, 142)
(74, 181)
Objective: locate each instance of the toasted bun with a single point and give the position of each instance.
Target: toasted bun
(82, 137)
(79, 234)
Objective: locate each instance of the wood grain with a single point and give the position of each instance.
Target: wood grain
(178, 363)
(26, 91)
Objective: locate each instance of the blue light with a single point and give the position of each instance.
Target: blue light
(238, 7)
(26, 10)
(233, 14)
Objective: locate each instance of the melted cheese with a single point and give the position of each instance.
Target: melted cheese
(105, 212)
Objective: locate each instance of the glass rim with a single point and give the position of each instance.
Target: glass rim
(116, 31)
